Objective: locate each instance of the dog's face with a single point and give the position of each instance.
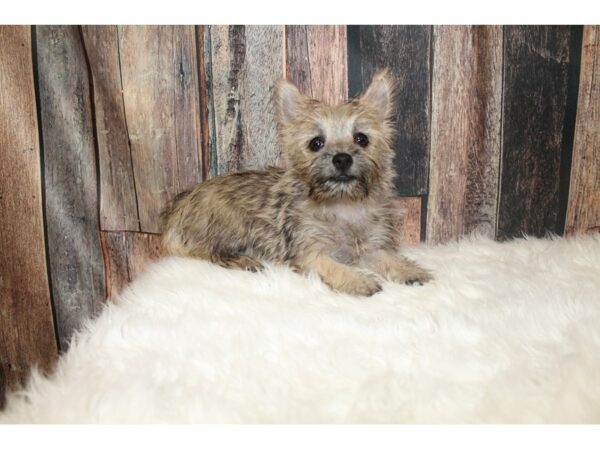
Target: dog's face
(342, 152)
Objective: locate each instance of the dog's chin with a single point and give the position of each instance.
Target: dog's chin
(340, 187)
(342, 179)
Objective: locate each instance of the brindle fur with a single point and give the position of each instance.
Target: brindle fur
(301, 214)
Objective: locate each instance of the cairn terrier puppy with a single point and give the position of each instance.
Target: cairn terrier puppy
(328, 210)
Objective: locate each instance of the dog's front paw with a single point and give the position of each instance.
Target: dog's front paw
(416, 276)
(409, 274)
(360, 284)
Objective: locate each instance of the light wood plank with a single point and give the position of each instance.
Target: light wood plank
(408, 221)
(160, 87)
(126, 257)
(26, 324)
(118, 203)
(465, 131)
(246, 61)
(583, 213)
(316, 60)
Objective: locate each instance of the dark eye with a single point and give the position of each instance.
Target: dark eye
(316, 144)
(361, 139)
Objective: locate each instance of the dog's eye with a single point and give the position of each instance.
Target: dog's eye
(361, 139)
(316, 144)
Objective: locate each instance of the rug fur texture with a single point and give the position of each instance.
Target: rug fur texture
(506, 333)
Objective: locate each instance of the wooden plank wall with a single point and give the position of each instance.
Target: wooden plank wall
(584, 194)
(465, 132)
(536, 69)
(26, 323)
(75, 257)
(498, 133)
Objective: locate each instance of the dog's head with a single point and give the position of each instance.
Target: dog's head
(342, 152)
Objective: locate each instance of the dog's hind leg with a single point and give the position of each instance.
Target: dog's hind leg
(243, 262)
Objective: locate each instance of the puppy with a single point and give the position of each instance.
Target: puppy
(328, 210)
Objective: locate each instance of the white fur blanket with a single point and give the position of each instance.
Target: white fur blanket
(506, 333)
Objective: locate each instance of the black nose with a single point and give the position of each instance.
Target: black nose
(342, 161)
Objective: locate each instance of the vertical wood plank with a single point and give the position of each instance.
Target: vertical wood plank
(118, 203)
(405, 50)
(26, 324)
(316, 60)
(465, 131)
(536, 68)
(127, 254)
(160, 88)
(584, 194)
(246, 61)
(76, 264)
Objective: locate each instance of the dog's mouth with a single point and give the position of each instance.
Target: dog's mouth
(343, 178)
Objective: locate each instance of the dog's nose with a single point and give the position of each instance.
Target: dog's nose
(342, 161)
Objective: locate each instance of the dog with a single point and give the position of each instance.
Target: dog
(328, 209)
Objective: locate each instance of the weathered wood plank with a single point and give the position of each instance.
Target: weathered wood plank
(160, 88)
(127, 254)
(118, 203)
(316, 60)
(204, 62)
(188, 130)
(26, 324)
(76, 265)
(536, 67)
(405, 50)
(408, 223)
(583, 212)
(465, 131)
(246, 61)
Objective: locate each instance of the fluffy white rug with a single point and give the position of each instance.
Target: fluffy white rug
(506, 333)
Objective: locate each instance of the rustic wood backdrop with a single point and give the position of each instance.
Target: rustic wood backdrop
(498, 133)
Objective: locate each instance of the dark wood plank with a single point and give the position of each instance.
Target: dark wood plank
(26, 324)
(160, 88)
(126, 256)
(316, 60)
(584, 195)
(405, 50)
(465, 131)
(536, 69)
(118, 203)
(76, 264)
(246, 61)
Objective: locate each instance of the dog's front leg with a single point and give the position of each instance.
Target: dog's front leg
(338, 276)
(395, 267)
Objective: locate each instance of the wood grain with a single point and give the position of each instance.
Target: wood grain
(536, 66)
(405, 50)
(408, 224)
(118, 202)
(160, 88)
(245, 62)
(465, 131)
(583, 212)
(26, 324)
(205, 108)
(127, 255)
(316, 60)
(76, 265)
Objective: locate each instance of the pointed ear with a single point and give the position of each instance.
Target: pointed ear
(288, 101)
(380, 96)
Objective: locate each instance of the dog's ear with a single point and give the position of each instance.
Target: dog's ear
(289, 101)
(380, 96)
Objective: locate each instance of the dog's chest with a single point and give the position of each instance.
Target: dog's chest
(347, 232)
